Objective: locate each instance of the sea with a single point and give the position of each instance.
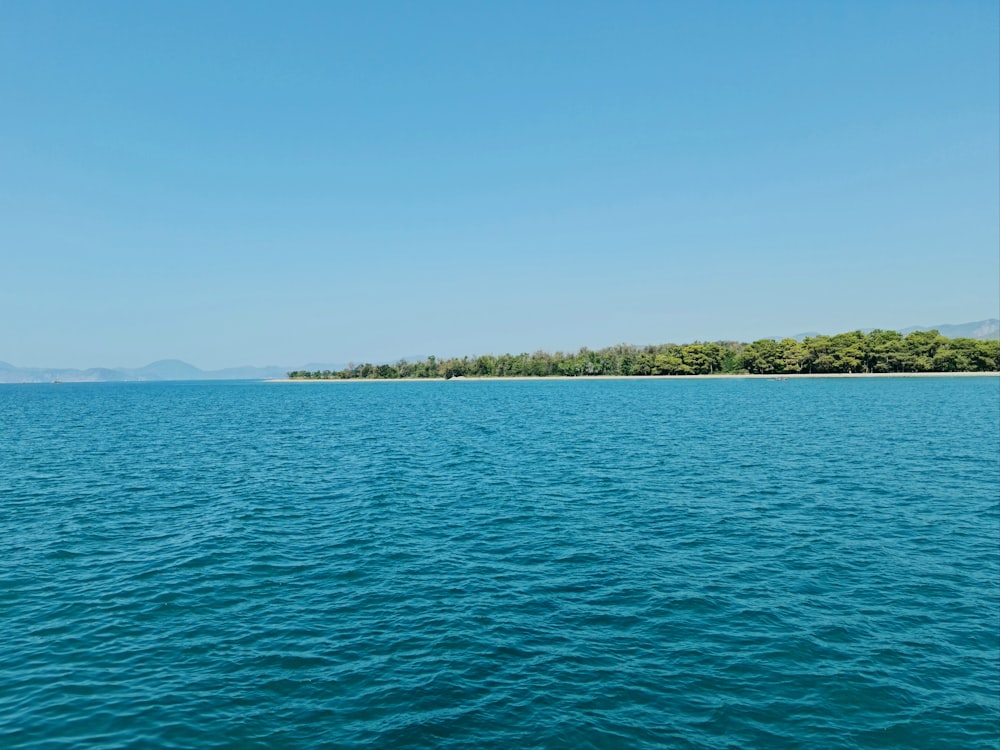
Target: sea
(717, 563)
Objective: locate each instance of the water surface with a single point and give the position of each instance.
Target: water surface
(552, 564)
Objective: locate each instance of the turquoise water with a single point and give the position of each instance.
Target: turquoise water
(614, 564)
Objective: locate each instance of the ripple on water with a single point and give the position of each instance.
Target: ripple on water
(517, 564)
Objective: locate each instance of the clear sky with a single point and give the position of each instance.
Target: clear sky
(281, 183)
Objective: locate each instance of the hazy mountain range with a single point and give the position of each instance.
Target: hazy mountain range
(175, 369)
(165, 369)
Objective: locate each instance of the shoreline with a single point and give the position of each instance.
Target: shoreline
(726, 376)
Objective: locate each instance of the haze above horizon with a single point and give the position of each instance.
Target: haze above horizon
(259, 184)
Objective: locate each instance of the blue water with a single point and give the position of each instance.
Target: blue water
(614, 564)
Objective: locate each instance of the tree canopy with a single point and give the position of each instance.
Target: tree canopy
(855, 352)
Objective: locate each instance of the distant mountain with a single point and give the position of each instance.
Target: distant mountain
(313, 366)
(165, 369)
(11, 374)
(980, 329)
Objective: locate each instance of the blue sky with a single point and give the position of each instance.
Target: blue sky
(282, 183)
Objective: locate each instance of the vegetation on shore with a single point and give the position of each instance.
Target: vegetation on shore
(855, 352)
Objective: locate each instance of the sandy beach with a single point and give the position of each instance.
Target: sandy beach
(727, 376)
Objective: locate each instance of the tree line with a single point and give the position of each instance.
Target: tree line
(855, 352)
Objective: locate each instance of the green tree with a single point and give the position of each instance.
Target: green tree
(819, 357)
(986, 355)
(485, 366)
(792, 355)
(644, 363)
(919, 349)
(731, 360)
(882, 351)
(762, 357)
(847, 350)
(697, 358)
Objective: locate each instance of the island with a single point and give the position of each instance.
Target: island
(856, 352)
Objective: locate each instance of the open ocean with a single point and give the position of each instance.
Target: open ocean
(514, 564)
